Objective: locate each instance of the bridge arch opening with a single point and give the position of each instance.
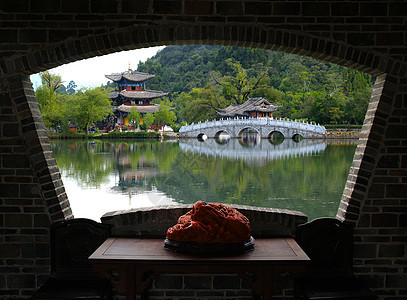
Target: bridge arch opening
(297, 137)
(222, 137)
(202, 137)
(249, 137)
(276, 137)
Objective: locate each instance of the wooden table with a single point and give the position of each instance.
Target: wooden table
(132, 264)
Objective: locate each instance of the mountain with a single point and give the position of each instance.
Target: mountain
(303, 85)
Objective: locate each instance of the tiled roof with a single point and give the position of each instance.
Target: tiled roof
(130, 75)
(148, 94)
(253, 104)
(140, 108)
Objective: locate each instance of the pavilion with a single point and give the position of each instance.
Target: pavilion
(254, 107)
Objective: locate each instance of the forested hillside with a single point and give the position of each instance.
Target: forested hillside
(202, 79)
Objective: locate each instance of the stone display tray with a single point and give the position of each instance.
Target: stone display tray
(209, 249)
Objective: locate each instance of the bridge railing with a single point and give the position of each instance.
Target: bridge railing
(255, 122)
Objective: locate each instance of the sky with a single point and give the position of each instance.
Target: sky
(91, 72)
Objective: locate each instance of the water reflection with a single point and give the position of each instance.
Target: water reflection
(101, 176)
(253, 150)
(250, 138)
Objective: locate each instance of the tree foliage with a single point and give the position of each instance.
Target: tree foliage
(165, 115)
(90, 106)
(134, 116)
(202, 79)
(148, 120)
(62, 110)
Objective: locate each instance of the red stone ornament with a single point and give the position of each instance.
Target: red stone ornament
(210, 228)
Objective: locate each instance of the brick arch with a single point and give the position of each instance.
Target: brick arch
(253, 35)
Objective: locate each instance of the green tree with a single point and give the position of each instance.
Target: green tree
(200, 104)
(50, 80)
(148, 120)
(134, 117)
(52, 105)
(238, 86)
(71, 87)
(165, 115)
(89, 106)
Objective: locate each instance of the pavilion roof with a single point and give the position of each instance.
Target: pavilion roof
(253, 104)
(130, 75)
(140, 108)
(147, 94)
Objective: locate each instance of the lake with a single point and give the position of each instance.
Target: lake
(101, 176)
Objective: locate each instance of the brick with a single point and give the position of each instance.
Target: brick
(8, 36)
(389, 38)
(344, 9)
(226, 282)
(167, 7)
(197, 282)
(44, 6)
(360, 39)
(168, 282)
(384, 220)
(391, 250)
(229, 8)
(377, 191)
(9, 190)
(396, 190)
(14, 6)
(396, 131)
(18, 220)
(373, 9)
(15, 161)
(21, 281)
(397, 9)
(396, 280)
(29, 191)
(9, 250)
(389, 161)
(315, 8)
(198, 7)
(105, 6)
(32, 36)
(74, 6)
(403, 220)
(258, 8)
(286, 8)
(364, 250)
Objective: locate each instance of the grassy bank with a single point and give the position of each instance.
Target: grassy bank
(110, 135)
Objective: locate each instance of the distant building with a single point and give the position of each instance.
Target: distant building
(254, 107)
(131, 91)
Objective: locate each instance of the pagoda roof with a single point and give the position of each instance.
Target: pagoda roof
(140, 108)
(130, 75)
(253, 104)
(147, 94)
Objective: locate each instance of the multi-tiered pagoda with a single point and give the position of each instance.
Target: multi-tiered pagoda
(131, 92)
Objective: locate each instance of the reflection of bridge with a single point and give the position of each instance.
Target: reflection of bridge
(261, 151)
(266, 127)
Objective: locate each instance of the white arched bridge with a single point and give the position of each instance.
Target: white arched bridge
(266, 127)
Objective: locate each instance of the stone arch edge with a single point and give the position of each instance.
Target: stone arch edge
(259, 36)
(367, 154)
(38, 148)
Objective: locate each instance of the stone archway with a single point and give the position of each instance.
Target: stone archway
(372, 158)
(143, 36)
